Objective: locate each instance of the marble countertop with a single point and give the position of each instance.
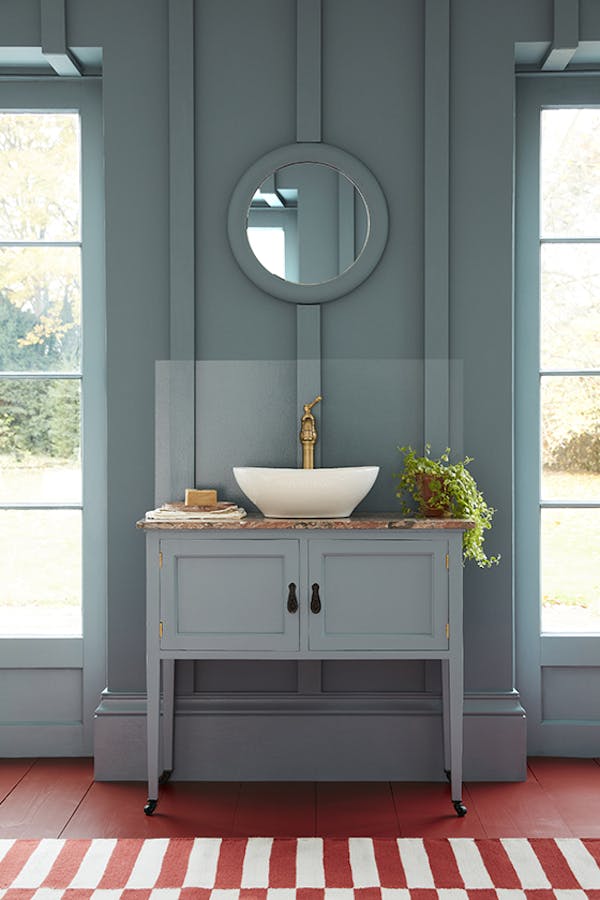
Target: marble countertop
(365, 521)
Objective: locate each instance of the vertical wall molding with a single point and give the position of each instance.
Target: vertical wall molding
(309, 56)
(178, 388)
(437, 224)
(53, 27)
(566, 36)
(182, 179)
(308, 71)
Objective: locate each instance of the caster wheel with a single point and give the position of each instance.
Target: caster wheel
(459, 806)
(447, 774)
(166, 774)
(150, 807)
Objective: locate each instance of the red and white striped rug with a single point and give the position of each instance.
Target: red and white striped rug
(299, 869)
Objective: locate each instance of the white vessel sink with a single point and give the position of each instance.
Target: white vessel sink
(306, 493)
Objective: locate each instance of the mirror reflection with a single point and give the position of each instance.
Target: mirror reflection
(307, 223)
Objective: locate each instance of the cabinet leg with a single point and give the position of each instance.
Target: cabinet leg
(153, 729)
(445, 715)
(168, 687)
(455, 706)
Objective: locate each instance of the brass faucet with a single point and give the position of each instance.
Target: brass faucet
(308, 435)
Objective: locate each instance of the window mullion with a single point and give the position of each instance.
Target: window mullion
(41, 374)
(18, 244)
(573, 373)
(570, 240)
(40, 505)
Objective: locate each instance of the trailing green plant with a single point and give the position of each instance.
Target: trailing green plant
(442, 488)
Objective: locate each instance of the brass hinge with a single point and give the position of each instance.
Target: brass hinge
(160, 559)
(447, 630)
(160, 629)
(447, 560)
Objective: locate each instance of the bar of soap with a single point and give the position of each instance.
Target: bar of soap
(195, 497)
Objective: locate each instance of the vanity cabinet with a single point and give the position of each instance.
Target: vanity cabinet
(336, 589)
(250, 595)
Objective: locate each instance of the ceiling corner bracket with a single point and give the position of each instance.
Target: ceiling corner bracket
(53, 24)
(566, 36)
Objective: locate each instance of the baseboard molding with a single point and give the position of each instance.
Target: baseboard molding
(378, 737)
(23, 739)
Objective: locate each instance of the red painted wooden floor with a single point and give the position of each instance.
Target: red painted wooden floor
(59, 798)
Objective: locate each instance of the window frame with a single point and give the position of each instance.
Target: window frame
(535, 649)
(89, 651)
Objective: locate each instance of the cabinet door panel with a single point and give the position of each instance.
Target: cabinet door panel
(228, 595)
(379, 595)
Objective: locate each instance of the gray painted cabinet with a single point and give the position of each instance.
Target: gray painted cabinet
(242, 595)
(292, 591)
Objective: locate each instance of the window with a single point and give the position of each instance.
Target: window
(569, 369)
(52, 377)
(40, 373)
(52, 414)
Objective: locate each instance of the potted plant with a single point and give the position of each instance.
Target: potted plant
(442, 488)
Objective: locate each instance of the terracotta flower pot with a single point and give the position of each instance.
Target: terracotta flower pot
(431, 512)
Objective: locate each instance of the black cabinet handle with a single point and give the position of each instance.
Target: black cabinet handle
(315, 600)
(292, 601)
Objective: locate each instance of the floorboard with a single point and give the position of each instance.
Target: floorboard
(518, 809)
(185, 809)
(355, 809)
(11, 772)
(425, 809)
(45, 798)
(276, 809)
(59, 798)
(574, 787)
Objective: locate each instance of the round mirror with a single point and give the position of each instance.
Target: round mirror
(307, 223)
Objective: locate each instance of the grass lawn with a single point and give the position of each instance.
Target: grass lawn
(570, 565)
(40, 550)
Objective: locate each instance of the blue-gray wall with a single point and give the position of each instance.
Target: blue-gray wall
(373, 340)
(373, 106)
(245, 107)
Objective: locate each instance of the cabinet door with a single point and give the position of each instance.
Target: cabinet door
(379, 595)
(228, 595)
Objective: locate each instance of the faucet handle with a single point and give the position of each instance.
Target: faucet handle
(309, 406)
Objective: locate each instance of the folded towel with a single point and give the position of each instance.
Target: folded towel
(179, 512)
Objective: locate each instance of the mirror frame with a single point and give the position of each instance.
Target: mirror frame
(364, 181)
